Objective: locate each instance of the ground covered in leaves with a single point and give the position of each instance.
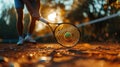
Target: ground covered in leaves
(54, 55)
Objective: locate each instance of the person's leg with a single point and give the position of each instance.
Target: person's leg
(20, 21)
(19, 9)
(36, 6)
(32, 25)
(28, 37)
(20, 25)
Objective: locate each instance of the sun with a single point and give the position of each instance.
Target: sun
(52, 17)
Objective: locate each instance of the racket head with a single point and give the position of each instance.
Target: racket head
(67, 35)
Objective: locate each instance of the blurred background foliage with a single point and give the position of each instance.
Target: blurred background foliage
(70, 11)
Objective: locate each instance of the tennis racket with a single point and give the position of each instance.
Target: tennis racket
(66, 34)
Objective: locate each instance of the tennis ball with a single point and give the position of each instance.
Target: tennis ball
(68, 35)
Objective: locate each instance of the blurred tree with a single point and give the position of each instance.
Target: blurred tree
(8, 24)
(84, 11)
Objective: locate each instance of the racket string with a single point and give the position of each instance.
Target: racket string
(60, 35)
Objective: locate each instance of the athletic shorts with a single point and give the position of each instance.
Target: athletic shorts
(20, 4)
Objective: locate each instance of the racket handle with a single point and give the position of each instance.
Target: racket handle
(43, 20)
